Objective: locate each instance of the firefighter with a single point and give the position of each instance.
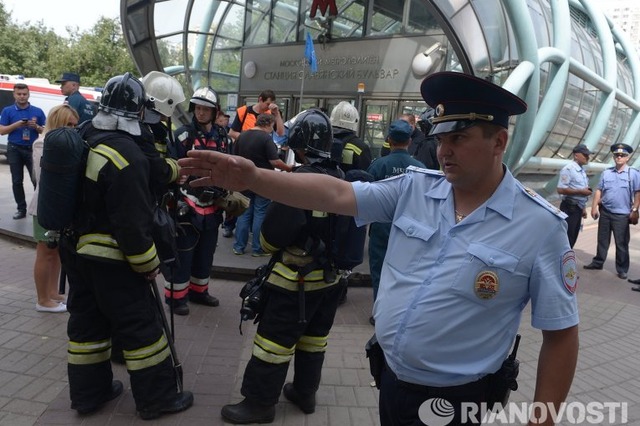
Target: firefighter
(303, 291)
(201, 218)
(110, 259)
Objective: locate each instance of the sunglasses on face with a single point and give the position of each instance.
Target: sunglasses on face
(620, 155)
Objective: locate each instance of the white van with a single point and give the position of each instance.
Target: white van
(42, 94)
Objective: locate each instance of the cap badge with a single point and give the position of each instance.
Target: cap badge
(439, 110)
(486, 285)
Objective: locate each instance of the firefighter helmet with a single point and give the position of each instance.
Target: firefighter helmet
(124, 96)
(163, 92)
(346, 116)
(312, 133)
(205, 96)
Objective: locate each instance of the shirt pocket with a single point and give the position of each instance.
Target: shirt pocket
(409, 243)
(489, 276)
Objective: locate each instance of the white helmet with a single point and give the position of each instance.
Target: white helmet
(164, 91)
(346, 116)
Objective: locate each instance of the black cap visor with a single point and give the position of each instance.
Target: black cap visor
(452, 126)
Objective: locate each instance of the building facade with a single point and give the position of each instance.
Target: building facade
(577, 71)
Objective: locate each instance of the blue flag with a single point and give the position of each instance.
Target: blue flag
(310, 54)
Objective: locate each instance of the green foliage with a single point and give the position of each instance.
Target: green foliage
(35, 50)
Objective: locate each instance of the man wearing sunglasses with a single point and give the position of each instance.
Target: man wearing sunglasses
(615, 205)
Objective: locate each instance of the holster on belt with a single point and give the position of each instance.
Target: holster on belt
(503, 381)
(376, 359)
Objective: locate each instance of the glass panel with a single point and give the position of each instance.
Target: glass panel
(420, 20)
(171, 53)
(225, 70)
(469, 32)
(230, 29)
(492, 21)
(387, 17)
(285, 19)
(168, 16)
(349, 21)
(257, 23)
(376, 121)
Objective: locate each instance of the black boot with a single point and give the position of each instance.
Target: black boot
(116, 390)
(203, 298)
(179, 402)
(305, 403)
(180, 306)
(248, 412)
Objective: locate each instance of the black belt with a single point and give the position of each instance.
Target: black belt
(479, 386)
(20, 146)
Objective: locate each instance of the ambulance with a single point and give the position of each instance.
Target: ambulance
(42, 94)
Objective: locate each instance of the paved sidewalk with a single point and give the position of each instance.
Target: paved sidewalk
(33, 379)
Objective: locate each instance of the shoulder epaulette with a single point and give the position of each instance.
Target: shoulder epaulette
(432, 172)
(533, 195)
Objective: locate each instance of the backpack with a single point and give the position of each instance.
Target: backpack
(63, 161)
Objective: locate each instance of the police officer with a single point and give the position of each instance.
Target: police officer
(301, 240)
(109, 259)
(462, 261)
(199, 225)
(615, 203)
(393, 164)
(573, 185)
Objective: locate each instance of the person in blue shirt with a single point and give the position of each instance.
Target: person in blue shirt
(70, 87)
(465, 256)
(23, 123)
(573, 185)
(615, 204)
(393, 164)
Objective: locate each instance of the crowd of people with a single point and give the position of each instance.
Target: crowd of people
(448, 257)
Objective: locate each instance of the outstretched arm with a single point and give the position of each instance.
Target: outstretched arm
(309, 191)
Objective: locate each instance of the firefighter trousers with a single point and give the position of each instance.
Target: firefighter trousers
(280, 335)
(109, 300)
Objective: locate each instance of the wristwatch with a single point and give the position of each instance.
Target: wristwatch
(634, 210)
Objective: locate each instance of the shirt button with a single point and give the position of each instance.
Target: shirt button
(492, 260)
(411, 230)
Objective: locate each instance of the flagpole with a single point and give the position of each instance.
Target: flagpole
(304, 66)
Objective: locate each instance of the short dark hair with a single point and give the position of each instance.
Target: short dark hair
(265, 120)
(267, 94)
(20, 86)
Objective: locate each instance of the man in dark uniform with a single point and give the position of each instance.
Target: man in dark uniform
(300, 240)
(70, 87)
(399, 138)
(198, 235)
(426, 152)
(356, 154)
(110, 259)
(615, 203)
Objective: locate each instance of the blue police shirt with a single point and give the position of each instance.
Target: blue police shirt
(12, 113)
(573, 176)
(451, 295)
(618, 188)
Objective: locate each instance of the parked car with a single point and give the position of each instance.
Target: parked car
(43, 94)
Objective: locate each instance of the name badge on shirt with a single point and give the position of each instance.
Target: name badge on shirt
(486, 285)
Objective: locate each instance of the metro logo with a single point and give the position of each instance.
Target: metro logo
(323, 5)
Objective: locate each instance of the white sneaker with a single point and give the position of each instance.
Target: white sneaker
(60, 308)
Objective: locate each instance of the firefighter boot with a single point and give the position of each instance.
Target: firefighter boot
(305, 403)
(179, 402)
(180, 306)
(114, 392)
(248, 411)
(203, 298)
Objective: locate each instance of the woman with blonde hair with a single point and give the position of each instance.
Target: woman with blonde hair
(46, 268)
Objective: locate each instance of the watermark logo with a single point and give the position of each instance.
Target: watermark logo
(436, 412)
(440, 412)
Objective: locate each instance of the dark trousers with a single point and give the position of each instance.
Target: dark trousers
(574, 220)
(400, 402)
(20, 157)
(281, 325)
(109, 300)
(618, 224)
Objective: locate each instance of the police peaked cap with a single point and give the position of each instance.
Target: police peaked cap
(462, 100)
(621, 148)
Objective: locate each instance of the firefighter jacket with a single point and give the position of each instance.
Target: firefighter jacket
(163, 169)
(201, 200)
(115, 217)
(305, 239)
